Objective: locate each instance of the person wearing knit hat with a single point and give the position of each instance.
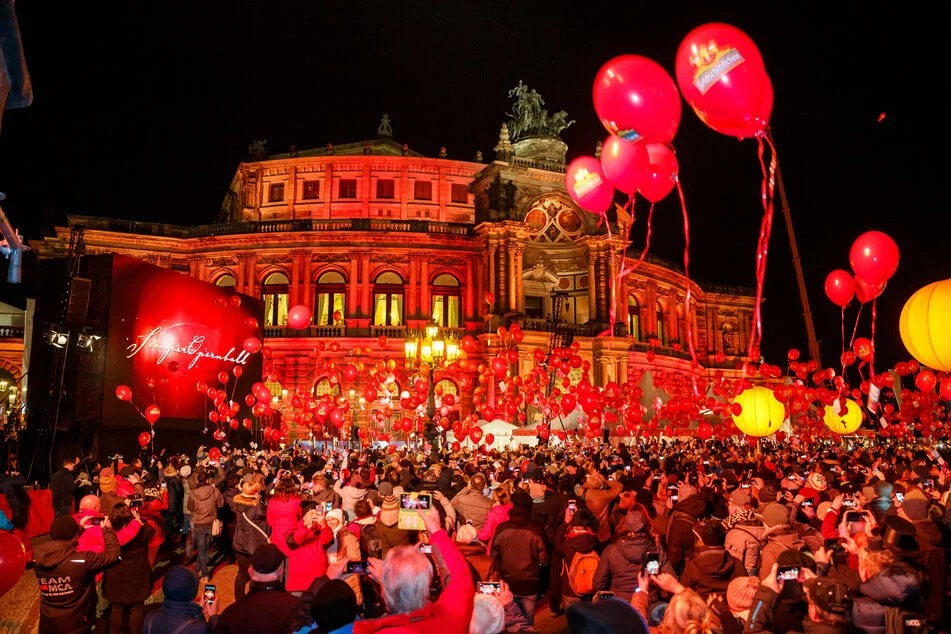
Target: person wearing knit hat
(107, 480)
(390, 510)
(179, 611)
(488, 615)
(739, 595)
(267, 607)
(66, 576)
(775, 514)
(779, 538)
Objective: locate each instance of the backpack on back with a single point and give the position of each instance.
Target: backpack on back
(581, 572)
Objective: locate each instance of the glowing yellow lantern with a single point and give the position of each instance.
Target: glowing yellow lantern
(925, 325)
(762, 413)
(843, 421)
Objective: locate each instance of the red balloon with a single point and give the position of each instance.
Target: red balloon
(661, 174)
(624, 164)
(123, 393)
(476, 434)
(145, 438)
(298, 317)
(866, 292)
(637, 100)
(839, 287)
(926, 381)
(862, 348)
(337, 316)
(173, 366)
(721, 75)
(489, 439)
(705, 431)
(153, 413)
(874, 257)
(944, 388)
(489, 298)
(223, 377)
(12, 561)
(382, 341)
(251, 345)
(214, 454)
(588, 186)
(337, 417)
(237, 371)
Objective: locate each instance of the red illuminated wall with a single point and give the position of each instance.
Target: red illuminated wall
(168, 332)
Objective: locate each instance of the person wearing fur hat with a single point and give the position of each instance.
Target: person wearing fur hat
(126, 584)
(597, 494)
(66, 577)
(175, 499)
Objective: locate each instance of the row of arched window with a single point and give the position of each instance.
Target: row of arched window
(330, 306)
(637, 320)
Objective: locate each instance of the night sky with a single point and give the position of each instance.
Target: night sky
(143, 110)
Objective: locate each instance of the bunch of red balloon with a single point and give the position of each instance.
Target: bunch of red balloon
(874, 258)
(151, 414)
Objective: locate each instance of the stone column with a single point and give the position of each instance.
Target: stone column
(291, 194)
(367, 283)
(353, 285)
(512, 249)
(424, 301)
(240, 273)
(592, 286)
(293, 295)
(500, 296)
(307, 274)
(251, 279)
(519, 277)
(412, 291)
(467, 306)
(490, 267)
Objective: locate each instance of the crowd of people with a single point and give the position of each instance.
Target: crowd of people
(665, 536)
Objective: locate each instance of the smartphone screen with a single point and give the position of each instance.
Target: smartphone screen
(424, 501)
(426, 549)
(490, 587)
(328, 506)
(674, 497)
(848, 502)
(652, 563)
(900, 497)
(134, 504)
(787, 573)
(854, 516)
(356, 567)
(209, 593)
(807, 502)
(572, 505)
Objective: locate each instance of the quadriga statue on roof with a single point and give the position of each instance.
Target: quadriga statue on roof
(529, 119)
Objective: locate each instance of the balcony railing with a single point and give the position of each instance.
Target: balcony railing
(11, 332)
(271, 226)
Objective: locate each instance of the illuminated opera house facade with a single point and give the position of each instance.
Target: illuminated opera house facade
(379, 241)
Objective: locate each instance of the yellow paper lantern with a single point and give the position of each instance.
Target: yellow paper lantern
(925, 325)
(843, 422)
(762, 413)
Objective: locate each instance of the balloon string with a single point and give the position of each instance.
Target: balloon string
(855, 328)
(620, 271)
(762, 248)
(688, 330)
(842, 328)
(871, 356)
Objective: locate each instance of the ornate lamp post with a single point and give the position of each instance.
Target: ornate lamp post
(424, 352)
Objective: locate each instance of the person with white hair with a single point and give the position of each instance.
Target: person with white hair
(406, 576)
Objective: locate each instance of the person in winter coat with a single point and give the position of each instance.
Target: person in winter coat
(502, 505)
(308, 547)
(471, 504)
(126, 583)
(406, 577)
(108, 494)
(681, 538)
(779, 535)
(519, 552)
(203, 501)
(66, 577)
(179, 612)
(283, 510)
(62, 486)
(887, 582)
(828, 606)
(349, 493)
(175, 491)
(597, 495)
(621, 562)
(322, 493)
(267, 608)
(363, 513)
(744, 535)
(378, 538)
(344, 544)
(712, 567)
(576, 536)
(251, 529)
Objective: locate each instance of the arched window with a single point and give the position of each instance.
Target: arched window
(331, 294)
(227, 280)
(447, 301)
(633, 317)
(388, 300)
(274, 294)
(661, 326)
(324, 386)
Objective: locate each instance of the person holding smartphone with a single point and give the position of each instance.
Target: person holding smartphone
(250, 530)
(308, 550)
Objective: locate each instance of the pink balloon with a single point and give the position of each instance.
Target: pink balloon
(721, 75)
(298, 317)
(588, 186)
(866, 292)
(624, 164)
(637, 100)
(662, 173)
(839, 287)
(874, 257)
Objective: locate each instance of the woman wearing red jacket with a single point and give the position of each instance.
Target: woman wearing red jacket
(308, 555)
